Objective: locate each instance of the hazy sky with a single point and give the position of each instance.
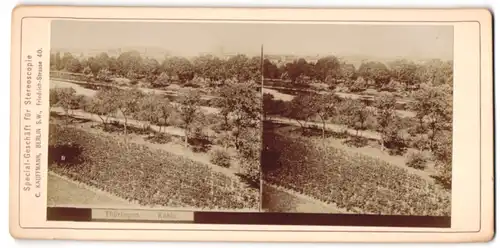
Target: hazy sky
(299, 39)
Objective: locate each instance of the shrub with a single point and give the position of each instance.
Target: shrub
(358, 85)
(221, 158)
(104, 75)
(416, 160)
(162, 80)
(420, 142)
(199, 141)
(357, 141)
(394, 141)
(160, 138)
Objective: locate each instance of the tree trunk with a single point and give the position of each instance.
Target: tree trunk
(301, 127)
(125, 126)
(186, 136)
(103, 122)
(236, 139)
(66, 112)
(323, 121)
(226, 121)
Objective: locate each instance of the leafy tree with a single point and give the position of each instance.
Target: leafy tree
(237, 67)
(210, 67)
(404, 72)
(87, 71)
(254, 69)
(327, 67)
(355, 114)
(443, 155)
(127, 103)
(98, 63)
(375, 71)
(393, 86)
(103, 105)
(386, 110)
(104, 75)
(155, 109)
(58, 61)
(151, 68)
(301, 108)
(165, 110)
(54, 97)
(297, 68)
(132, 75)
(55, 61)
(162, 80)
(67, 99)
(389, 124)
(359, 85)
(435, 72)
(239, 102)
(272, 106)
(249, 151)
(95, 65)
(267, 103)
(347, 72)
(73, 65)
(179, 67)
(65, 60)
(433, 106)
(326, 106)
(270, 69)
(147, 108)
(130, 61)
(392, 136)
(113, 65)
(189, 109)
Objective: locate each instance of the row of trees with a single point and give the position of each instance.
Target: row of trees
(330, 70)
(133, 66)
(237, 123)
(396, 75)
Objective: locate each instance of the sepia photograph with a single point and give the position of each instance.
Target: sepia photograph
(359, 120)
(251, 124)
(154, 115)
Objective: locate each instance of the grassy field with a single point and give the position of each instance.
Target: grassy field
(359, 183)
(138, 173)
